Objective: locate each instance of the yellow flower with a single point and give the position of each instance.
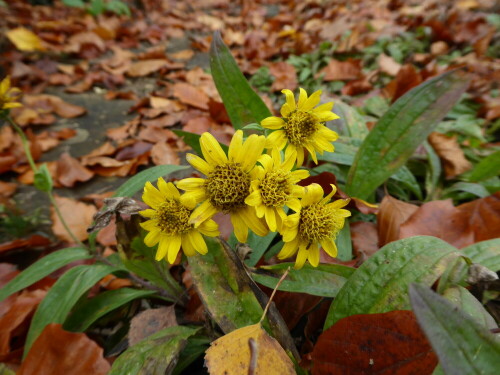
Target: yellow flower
(316, 223)
(169, 225)
(274, 187)
(8, 95)
(302, 126)
(227, 184)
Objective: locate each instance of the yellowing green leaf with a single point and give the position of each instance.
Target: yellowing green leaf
(231, 354)
(25, 40)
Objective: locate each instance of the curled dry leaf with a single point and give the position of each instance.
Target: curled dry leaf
(391, 215)
(385, 343)
(284, 74)
(162, 153)
(149, 322)
(364, 238)
(231, 354)
(146, 67)
(342, 70)
(70, 170)
(58, 352)
(450, 153)
(77, 215)
(189, 94)
(388, 65)
(407, 78)
(113, 206)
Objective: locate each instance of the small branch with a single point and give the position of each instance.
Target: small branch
(273, 293)
(61, 218)
(254, 353)
(24, 141)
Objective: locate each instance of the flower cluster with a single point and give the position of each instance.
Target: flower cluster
(8, 96)
(254, 187)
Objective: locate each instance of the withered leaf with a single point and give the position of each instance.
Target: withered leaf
(113, 206)
(77, 215)
(391, 215)
(70, 170)
(150, 321)
(450, 153)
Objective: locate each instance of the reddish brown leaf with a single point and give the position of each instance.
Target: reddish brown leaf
(391, 215)
(7, 188)
(450, 153)
(191, 95)
(151, 321)
(285, 76)
(32, 241)
(70, 170)
(342, 70)
(77, 215)
(162, 153)
(364, 238)
(388, 65)
(388, 343)
(146, 67)
(58, 352)
(407, 78)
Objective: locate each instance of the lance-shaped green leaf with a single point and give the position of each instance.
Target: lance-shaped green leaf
(156, 354)
(136, 183)
(401, 129)
(242, 104)
(93, 309)
(486, 168)
(462, 345)
(324, 280)
(353, 122)
(230, 295)
(381, 283)
(63, 295)
(470, 305)
(43, 267)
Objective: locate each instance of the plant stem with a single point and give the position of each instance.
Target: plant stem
(61, 218)
(25, 143)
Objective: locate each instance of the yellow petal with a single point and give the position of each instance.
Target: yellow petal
(149, 213)
(312, 152)
(271, 219)
(266, 161)
(313, 194)
(235, 147)
(302, 97)
(199, 164)
(213, 153)
(199, 195)
(276, 139)
(330, 247)
(325, 107)
(294, 204)
(313, 256)
(190, 184)
(240, 228)
(4, 85)
(150, 225)
(285, 110)
(289, 249)
(201, 213)
(299, 174)
(254, 199)
(162, 247)
(188, 201)
(327, 134)
(174, 245)
(321, 144)
(290, 100)
(260, 210)
(152, 238)
(325, 116)
(272, 122)
(251, 152)
(12, 105)
(312, 101)
(253, 222)
(301, 257)
(187, 247)
(209, 228)
(198, 242)
(339, 203)
(151, 196)
(300, 156)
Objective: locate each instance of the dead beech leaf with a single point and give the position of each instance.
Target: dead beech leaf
(15, 321)
(450, 153)
(7, 189)
(189, 94)
(232, 354)
(146, 67)
(70, 170)
(150, 321)
(77, 215)
(162, 153)
(407, 78)
(392, 213)
(284, 74)
(364, 238)
(388, 65)
(342, 70)
(25, 40)
(35, 240)
(388, 343)
(52, 103)
(58, 352)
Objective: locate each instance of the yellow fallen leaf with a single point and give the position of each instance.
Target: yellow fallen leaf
(25, 40)
(232, 354)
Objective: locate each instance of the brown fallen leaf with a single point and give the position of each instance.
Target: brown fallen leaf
(150, 321)
(391, 215)
(285, 76)
(407, 78)
(7, 189)
(249, 346)
(146, 67)
(77, 215)
(35, 240)
(162, 153)
(342, 70)
(388, 343)
(450, 153)
(70, 170)
(52, 103)
(58, 352)
(388, 65)
(191, 95)
(364, 238)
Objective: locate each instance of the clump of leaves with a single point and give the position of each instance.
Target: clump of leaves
(96, 7)
(14, 224)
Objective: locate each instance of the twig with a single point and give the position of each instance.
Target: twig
(254, 353)
(273, 293)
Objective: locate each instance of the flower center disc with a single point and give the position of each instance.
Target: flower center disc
(275, 188)
(173, 218)
(227, 186)
(299, 126)
(317, 222)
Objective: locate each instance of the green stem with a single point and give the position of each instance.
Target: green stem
(25, 143)
(61, 218)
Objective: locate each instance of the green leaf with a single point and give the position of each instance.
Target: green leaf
(353, 123)
(486, 253)
(344, 243)
(324, 280)
(381, 283)
(74, 3)
(136, 183)
(486, 168)
(118, 7)
(43, 267)
(468, 187)
(156, 354)
(405, 177)
(193, 140)
(259, 245)
(230, 296)
(433, 171)
(196, 346)
(93, 309)
(43, 179)
(403, 127)
(470, 305)
(243, 105)
(63, 295)
(462, 345)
